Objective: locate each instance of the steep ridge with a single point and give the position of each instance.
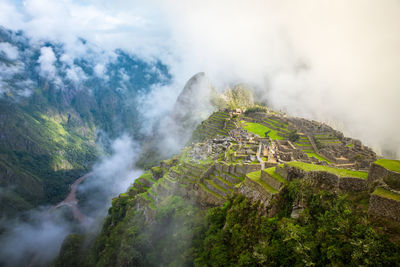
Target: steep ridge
(223, 174)
(50, 125)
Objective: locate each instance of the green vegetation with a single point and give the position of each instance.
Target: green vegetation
(293, 136)
(393, 165)
(328, 233)
(261, 130)
(241, 96)
(325, 139)
(331, 231)
(147, 176)
(256, 177)
(300, 144)
(213, 126)
(277, 124)
(339, 172)
(43, 152)
(255, 109)
(272, 173)
(127, 240)
(386, 194)
(71, 247)
(315, 155)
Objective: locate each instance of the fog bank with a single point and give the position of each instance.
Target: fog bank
(36, 238)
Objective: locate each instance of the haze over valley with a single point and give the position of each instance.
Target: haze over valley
(126, 126)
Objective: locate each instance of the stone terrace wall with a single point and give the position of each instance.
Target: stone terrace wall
(255, 192)
(351, 184)
(270, 180)
(379, 206)
(325, 180)
(379, 173)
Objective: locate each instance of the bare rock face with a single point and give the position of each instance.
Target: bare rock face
(193, 104)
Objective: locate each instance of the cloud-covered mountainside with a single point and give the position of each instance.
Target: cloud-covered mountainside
(55, 108)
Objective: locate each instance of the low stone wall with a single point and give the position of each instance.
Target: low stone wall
(380, 206)
(269, 164)
(291, 173)
(205, 199)
(324, 180)
(221, 183)
(351, 184)
(214, 189)
(379, 173)
(208, 172)
(282, 171)
(246, 168)
(229, 178)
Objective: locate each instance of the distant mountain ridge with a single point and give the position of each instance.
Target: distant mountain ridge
(55, 107)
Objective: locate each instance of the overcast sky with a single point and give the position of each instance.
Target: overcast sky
(336, 61)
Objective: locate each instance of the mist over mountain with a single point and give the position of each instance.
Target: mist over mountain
(122, 123)
(56, 109)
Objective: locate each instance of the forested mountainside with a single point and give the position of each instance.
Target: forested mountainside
(254, 188)
(54, 110)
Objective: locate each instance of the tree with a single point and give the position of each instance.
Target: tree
(293, 136)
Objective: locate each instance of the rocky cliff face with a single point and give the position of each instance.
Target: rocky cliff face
(193, 105)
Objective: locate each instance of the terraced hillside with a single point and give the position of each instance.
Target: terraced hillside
(223, 188)
(219, 123)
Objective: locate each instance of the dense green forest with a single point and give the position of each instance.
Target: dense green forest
(330, 231)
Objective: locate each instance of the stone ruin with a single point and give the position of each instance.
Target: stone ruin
(385, 200)
(212, 148)
(285, 151)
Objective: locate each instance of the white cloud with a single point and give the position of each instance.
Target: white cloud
(76, 74)
(335, 61)
(100, 70)
(46, 60)
(332, 61)
(10, 51)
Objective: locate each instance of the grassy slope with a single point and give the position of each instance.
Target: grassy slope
(40, 154)
(386, 194)
(273, 174)
(337, 171)
(315, 155)
(393, 165)
(260, 130)
(256, 177)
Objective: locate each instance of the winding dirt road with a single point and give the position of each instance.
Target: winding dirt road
(72, 201)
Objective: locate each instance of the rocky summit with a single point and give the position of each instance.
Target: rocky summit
(254, 187)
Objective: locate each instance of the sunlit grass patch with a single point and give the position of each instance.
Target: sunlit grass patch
(393, 165)
(339, 172)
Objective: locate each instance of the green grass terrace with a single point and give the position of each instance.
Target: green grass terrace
(337, 171)
(386, 194)
(315, 155)
(392, 165)
(273, 174)
(260, 130)
(256, 177)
